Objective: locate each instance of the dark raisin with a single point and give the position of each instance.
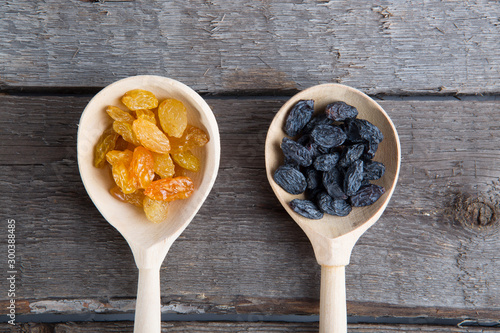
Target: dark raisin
(296, 152)
(314, 149)
(373, 170)
(353, 178)
(313, 178)
(326, 162)
(367, 195)
(340, 111)
(299, 116)
(365, 182)
(351, 154)
(306, 208)
(360, 130)
(332, 206)
(370, 149)
(291, 163)
(332, 181)
(290, 179)
(321, 150)
(320, 119)
(328, 136)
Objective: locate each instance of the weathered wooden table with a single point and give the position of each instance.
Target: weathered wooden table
(431, 263)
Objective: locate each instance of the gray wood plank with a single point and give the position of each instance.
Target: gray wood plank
(258, 327)
(229, 46)
(242, 254)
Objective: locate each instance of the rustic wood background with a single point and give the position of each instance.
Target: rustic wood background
(434, 67)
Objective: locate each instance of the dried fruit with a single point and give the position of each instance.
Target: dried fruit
(341, 147)
(326, 162)
(115, 156)
(370, 149)
(156, 210)
(299, 116)
(328, 136)
(119, 115)
(320, 119)
(191, 138)
(163, 165)
(340, 111)
(179, 171)
(306, 208)
(360, 130)
(135, 198)
(139, 153)
(296, 152)
(373, 170)
(351, 154)
(139, 99)
(290, 179)
(173, 117)
(353, 178)
(332, 181)
(146, 114)
(367, 195)
(106, 143)
(337, 207)
(125, 130)
(169, 189)
(123, 178)
(187, 160)
(150, 136)
(142, 167)
(313, 178)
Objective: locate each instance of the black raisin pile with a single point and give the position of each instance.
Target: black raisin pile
(330, 159)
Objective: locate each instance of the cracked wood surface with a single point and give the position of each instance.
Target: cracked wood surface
(213, 327)
(433, 47)
(427, 255)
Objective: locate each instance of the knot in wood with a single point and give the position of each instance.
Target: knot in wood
(474, 212)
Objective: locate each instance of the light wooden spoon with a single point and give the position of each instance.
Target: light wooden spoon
(149, 242)
(333, 237)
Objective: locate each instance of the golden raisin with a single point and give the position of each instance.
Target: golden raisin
(119, 114)
(187, 160)
(164, 166)
(106, 143)
(179, 171)
(156, 210)
(139, 99)
(123, 178)
(191, 138)
(151, 136)
(125, 130)
(170, 189)
(142, 167)
(173, 117)
(114, 156)
(146, 114)
(135, 198)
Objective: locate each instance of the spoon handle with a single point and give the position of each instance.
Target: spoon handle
(148, 305)
(332, 305)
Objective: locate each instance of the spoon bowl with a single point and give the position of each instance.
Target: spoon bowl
(333, 237)
(149, 241)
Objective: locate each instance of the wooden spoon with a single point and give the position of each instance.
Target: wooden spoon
(149, 242)
(333, 237)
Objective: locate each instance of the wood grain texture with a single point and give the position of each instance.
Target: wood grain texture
(223, 327)
(242, 253)
(223, 46)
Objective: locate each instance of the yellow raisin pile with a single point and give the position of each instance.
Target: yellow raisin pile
(148, 148)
